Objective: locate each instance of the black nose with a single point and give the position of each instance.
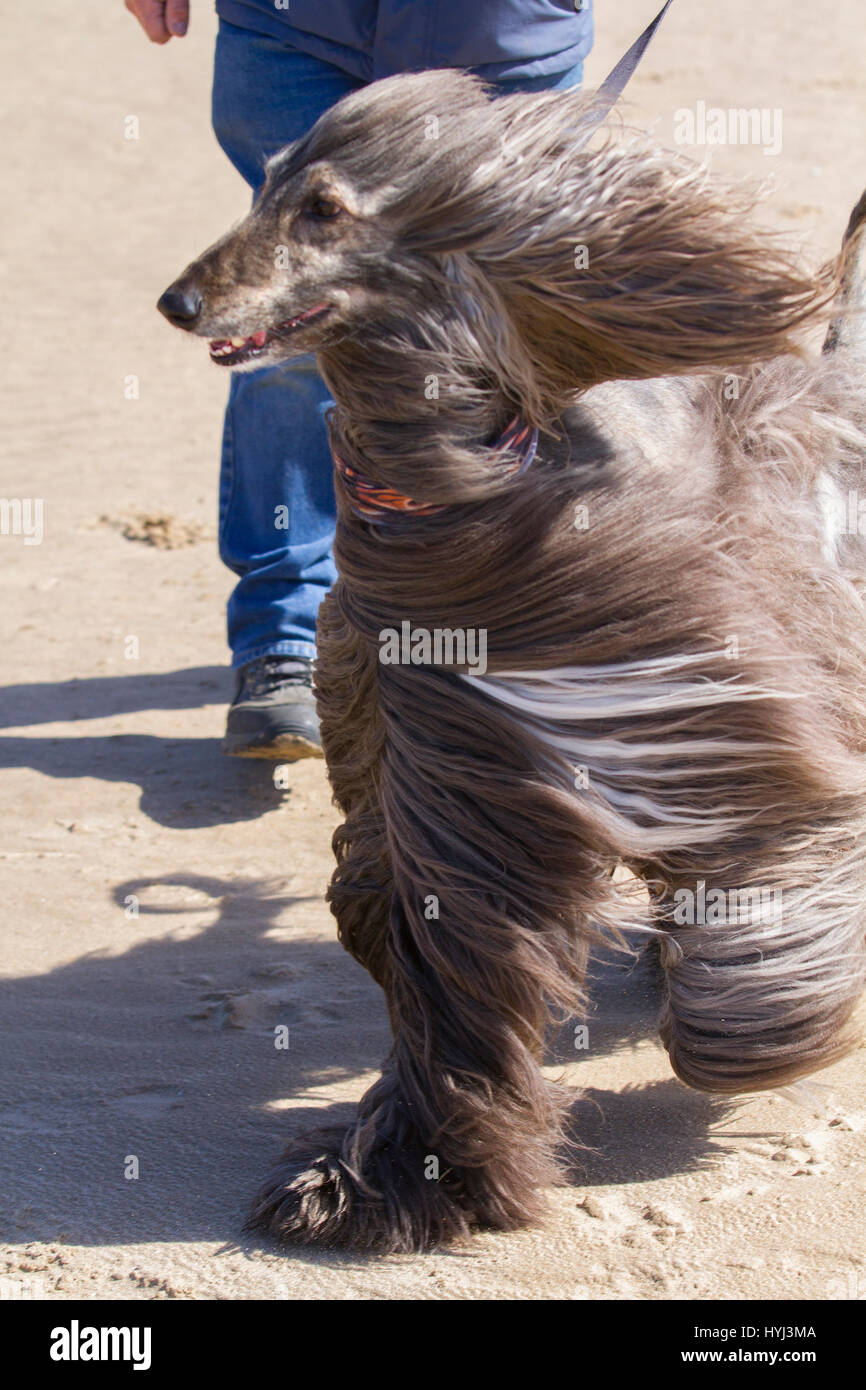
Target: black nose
(180, 306)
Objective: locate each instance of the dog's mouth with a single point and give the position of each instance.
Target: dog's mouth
(230, 352)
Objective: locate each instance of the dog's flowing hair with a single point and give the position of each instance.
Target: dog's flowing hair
(676, 646)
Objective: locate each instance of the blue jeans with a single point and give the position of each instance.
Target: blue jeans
(276, 501)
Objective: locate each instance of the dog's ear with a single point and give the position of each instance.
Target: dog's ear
(628, 261)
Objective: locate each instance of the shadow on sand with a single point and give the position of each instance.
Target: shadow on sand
(165, 1052)
(186, 783)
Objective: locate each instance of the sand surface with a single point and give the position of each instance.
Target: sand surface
(162, 905)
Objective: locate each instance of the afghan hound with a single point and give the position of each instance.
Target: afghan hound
(576, 431)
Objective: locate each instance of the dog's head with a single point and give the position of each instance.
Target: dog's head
(419, 208)
(327, 246)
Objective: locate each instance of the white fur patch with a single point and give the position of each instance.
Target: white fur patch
(637, 780)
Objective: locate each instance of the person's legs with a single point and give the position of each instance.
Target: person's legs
(277, 508)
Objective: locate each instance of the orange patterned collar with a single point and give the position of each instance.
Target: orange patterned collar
(372, 501)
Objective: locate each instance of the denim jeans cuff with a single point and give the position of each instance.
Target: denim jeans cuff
(307, 649)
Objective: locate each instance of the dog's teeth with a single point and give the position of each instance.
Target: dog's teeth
(237, 342)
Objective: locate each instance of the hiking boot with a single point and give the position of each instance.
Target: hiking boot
(273, 713)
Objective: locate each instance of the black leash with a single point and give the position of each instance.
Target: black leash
(618, 78)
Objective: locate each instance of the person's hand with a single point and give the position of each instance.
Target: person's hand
(161, 19)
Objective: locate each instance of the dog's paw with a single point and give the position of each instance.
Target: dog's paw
(313, 1196)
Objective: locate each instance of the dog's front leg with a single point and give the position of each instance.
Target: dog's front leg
(487, 927)
(353, 735)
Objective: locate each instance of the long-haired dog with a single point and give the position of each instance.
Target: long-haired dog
(572, 418)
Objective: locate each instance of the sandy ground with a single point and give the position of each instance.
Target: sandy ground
(150, 1035)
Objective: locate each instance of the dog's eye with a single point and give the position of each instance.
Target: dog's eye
(325, 208)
